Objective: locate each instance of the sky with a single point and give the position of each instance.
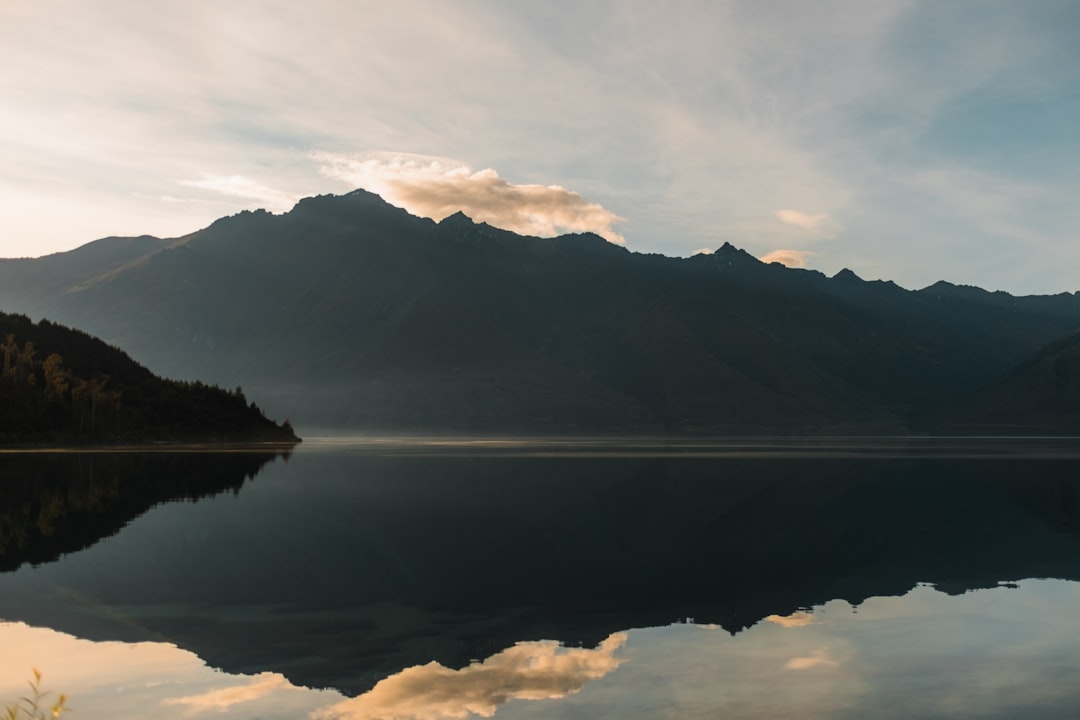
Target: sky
(906, 140)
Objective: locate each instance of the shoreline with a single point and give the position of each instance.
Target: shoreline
(228, 446)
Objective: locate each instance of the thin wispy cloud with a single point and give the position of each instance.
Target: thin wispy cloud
(246, 188)
(814, 226)
(818, 658)
(438, 187)
(179, 200)
(801, 219)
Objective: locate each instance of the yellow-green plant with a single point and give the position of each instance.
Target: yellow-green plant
(36, 705)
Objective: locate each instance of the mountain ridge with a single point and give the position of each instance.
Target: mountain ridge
(349, 312)
(1041, 395)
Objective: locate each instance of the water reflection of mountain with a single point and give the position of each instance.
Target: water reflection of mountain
(52, 504)
(338, 570)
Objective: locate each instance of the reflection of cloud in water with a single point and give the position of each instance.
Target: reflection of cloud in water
(795, 619)
(527, 671)
(148, 679)
(816, 659)
(262, 685)
(988, 653)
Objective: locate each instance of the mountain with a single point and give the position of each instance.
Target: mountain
(41, 279)
(1042, 395)
(61, 385)
(348, 312)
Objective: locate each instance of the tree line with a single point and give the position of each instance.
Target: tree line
(61, 385)
(43, 394)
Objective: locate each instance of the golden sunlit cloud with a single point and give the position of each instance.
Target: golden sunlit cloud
(242, 187)
(818, 659)
(263, 685)
(702, 251)
(788, 258)
(527, 671)
(803, 220)
(796, 619)
(438, 187)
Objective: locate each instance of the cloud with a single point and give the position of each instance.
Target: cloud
(788, 258)
(242, 187)
(803, 220)
(818, 659)
(527, 671)
(224, 698)
(178, 200)
(438, 187)
(701, 120)
(702, 251)
(796, 619)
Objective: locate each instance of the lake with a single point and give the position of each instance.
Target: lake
(355, 578)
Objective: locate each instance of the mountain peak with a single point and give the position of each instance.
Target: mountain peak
(458, 219)
(729, 249)
(847, 275)
(344, 204)
(364, 194)
(727, 255)
(941, 285)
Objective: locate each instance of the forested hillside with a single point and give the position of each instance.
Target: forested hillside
(62, 385)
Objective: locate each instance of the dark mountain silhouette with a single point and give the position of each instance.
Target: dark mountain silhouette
(1042, 396)
(62, 385)
(350, 312)
(41, 279)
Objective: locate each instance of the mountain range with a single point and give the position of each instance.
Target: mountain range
(348, 312)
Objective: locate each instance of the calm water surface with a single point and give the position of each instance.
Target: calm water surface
(452, 580)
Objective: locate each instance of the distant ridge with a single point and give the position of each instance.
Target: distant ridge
(348, 312)
(1041, 395)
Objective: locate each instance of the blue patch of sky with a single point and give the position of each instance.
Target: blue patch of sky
(1006, 75)
(1022, 136)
